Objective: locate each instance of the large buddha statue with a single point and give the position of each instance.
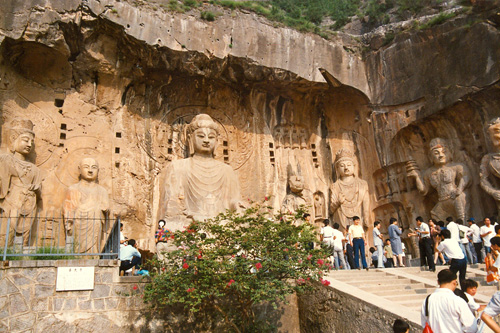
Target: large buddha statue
(199, 186)
(20, 181)
(490, 163)
(85, 209)
(349, 193)
(449, 179)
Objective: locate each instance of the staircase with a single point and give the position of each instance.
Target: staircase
(402, 290)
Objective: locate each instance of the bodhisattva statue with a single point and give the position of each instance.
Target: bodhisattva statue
(20, 181)
(294, 198)
(490, 164)
(349, 193)
(198, 187)
(449, 179)
(85, 209)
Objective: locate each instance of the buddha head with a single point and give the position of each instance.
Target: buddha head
(89, 169)
(494, 132)
(21, 136)
(345, 164)
(202, 134)
(439, 151)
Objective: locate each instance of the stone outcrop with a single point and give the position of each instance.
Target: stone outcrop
(118, 80)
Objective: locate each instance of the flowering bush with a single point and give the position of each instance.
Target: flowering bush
(234, 262)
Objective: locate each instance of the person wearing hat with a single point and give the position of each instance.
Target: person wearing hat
(476, 239)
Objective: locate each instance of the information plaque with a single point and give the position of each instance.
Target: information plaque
(75, 278)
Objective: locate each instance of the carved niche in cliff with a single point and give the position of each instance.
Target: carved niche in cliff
(490, 163)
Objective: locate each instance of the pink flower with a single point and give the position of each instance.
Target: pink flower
(232, 255)
(190, 290)
(135, 287)
(309, 257)
(300, 261)
(243, 256)
(190, 231)
(163, 269)
(199, 256)
(325, 282)
(286, 250)
(185, 266)
(266, 198)
(258, 265)
(320, 273)
(230, 282)
(320, 262)
(301, 281)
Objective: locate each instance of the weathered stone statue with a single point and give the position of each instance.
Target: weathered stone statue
(85, 209)
(199, 186)
(490, 164)
(449, 179)
(294, 197)
(349, 194)
(20, 181)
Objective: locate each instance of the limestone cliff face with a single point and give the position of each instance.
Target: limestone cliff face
(118, 81)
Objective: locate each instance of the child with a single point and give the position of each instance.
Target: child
(388, 253)
(400, 326)
(470, 287)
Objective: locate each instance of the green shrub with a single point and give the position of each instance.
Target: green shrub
(439, 19)
(234, 262)
(208, 16)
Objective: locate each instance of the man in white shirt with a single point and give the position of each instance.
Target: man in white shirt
(338, 247)
(129, 256)
(476, 239)
(378, 243)
(452, 250)
(444, 311)
(358, 240)
(464, 241)
(425, 244)
(487, 232)
(453, 227)
(326, 237)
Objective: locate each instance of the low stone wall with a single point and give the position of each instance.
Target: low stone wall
(330, 310)
(29, 300)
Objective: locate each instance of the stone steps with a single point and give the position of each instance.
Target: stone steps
(402, 288)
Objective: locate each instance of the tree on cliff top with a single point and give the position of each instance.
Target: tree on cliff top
(230, 264)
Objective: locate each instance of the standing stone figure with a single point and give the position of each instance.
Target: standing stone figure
(349, 193)
(449, 179)
(86, 208)
(199, 186)
(490, 164)
(294, 198)
(20, 181)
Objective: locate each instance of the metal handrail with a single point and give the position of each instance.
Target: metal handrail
(54, 235)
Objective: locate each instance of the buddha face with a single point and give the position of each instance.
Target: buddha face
(494, 132)
(89, 169)
(204, 140)
(23, 143)
(439, 156)
(346, 167)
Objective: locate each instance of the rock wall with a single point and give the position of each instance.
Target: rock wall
(29, 300)
(330, 310)
(119, 80)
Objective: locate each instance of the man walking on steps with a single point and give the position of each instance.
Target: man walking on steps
(358, 240)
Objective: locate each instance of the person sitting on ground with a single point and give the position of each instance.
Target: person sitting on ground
(375, 257)
(443, 311)
(400, 326)
(470, 291)
(129, 257)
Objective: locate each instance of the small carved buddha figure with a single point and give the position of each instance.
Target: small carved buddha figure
(86, 208)
(20, 181)
(490, 163)
(295, 187)
(447, 178)
(200, 186)
(350, 195)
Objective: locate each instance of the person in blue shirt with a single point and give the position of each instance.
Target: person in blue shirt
(129, 257)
